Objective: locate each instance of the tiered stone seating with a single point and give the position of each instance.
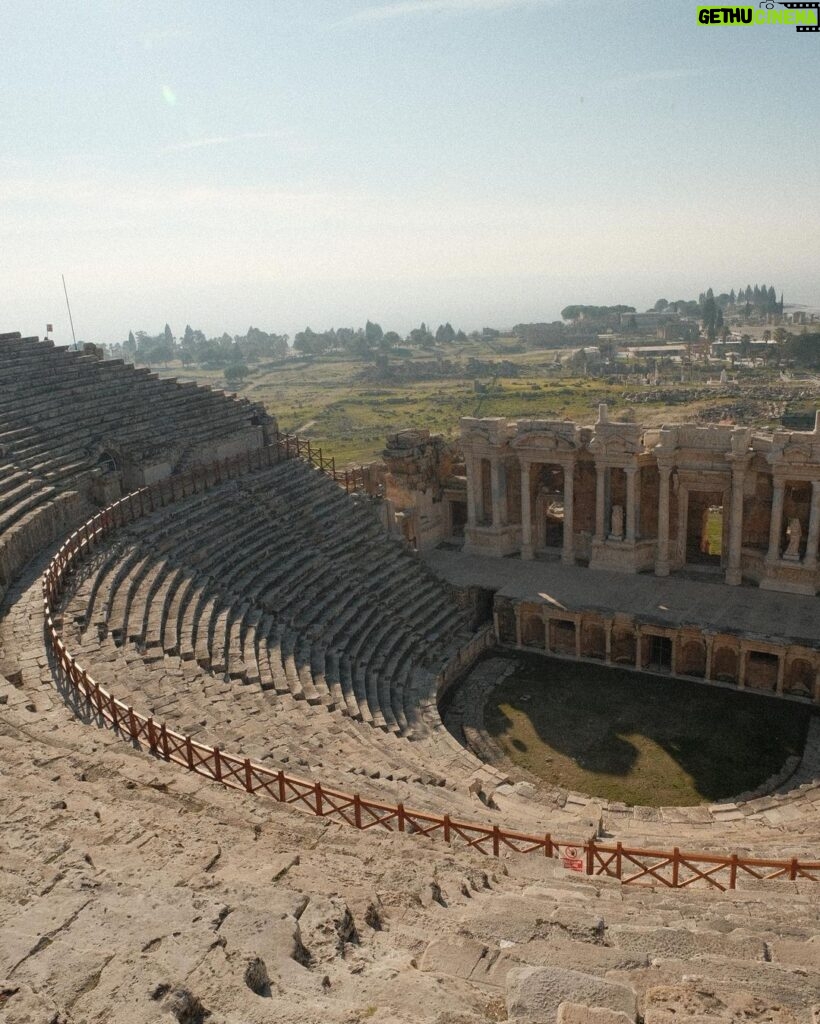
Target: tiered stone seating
(59, 409)
(284, 591)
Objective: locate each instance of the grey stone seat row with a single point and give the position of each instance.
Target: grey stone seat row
(265, 581)
(59, 407)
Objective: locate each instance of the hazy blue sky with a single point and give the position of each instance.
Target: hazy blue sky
(318, 162)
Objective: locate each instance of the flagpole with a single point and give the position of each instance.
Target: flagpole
(70, 318)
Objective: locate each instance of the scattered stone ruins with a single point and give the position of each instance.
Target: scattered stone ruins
(261, 610)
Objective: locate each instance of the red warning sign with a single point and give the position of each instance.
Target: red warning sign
(572, 858)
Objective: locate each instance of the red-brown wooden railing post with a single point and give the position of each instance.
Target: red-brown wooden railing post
(280, 778)
(357, 810)
(591, 856)
(248, 775)
(115, 721)
(163, 735)
(446, 821)
(319, 805)
(675, 867)
(793, 869)
(496, 841)
(618, 859)
(400, 816)
(152, 737)
(189, 752)
(732, 871)
(217, 765)
(548, 845)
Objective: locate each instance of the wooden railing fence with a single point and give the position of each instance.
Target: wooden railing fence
(671, 868)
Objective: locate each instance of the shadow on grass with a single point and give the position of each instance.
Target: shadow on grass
(640, 738)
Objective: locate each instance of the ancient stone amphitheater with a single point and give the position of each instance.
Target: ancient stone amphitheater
(227, 791)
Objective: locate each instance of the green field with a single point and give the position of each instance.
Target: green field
(349, 417)
(639, 739)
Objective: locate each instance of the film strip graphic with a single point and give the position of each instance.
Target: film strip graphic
(805, 7)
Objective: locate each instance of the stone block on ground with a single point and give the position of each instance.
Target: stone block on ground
(577, 1013)
(535, 993)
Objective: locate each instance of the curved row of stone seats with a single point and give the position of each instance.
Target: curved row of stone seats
(60, 409)
(282, 581)
(32, 513)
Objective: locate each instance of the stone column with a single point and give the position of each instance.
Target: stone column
(568, 550)
(472, 488)
(526, 512)
(733, 569)
(631, 474)
(600, 503)
(776, 525)
(498, 488)
(810, 558)
(662, 557)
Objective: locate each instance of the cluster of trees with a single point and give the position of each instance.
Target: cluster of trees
(371, 340)
(761, 299)
(803, 350)
(194, 347)
(576, 312)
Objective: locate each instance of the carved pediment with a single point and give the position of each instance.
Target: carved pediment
(545, 441)
(614, 443)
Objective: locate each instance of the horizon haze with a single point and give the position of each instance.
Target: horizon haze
(483, 162)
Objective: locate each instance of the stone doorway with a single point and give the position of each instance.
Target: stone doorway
(549, 507)
(705, 528)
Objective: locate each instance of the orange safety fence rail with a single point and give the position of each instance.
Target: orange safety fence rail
(672, 868)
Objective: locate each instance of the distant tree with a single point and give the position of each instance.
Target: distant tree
(803, 350)
(445, 333)
(236, 373)
(129, 347)
(732, 296)
(780, 336)
(391, 339)
(660, 305)
(709, 315)
(169, 337)
(421, 336)
(373, 333)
